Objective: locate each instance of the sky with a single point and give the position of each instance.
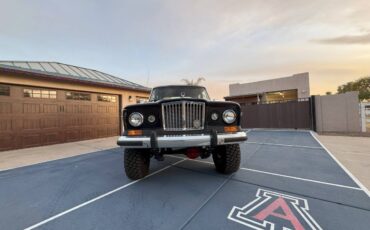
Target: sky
(157, 42)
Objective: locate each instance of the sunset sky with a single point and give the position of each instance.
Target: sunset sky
(227, 41)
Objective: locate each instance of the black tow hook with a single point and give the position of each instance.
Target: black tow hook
(158, 155)
(206, 153)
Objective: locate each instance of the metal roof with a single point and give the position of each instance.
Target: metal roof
(70, 72)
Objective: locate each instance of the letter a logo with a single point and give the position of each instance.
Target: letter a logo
(272, 210)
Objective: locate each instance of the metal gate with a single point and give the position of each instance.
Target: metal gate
(283, 115)
(365, 116)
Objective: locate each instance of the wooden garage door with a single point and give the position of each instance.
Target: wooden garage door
(31, 116)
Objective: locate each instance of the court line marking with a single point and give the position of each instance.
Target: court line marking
(281, 175)
(280, 130)
(303, 179)
(247, 130)
(275, 144)
(98, 198)
(342, 166)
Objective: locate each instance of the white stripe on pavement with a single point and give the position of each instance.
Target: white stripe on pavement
(295, 146)
(280, 175)
(342, 166)
(98, 198)
(299, 178)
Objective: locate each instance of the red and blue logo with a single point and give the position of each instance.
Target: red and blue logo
(273, 210)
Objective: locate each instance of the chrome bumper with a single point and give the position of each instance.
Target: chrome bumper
(181, 141)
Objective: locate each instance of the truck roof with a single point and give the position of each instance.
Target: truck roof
(193, 86)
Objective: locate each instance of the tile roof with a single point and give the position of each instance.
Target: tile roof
(70, 72)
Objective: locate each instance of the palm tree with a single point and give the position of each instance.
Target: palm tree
(191, 82)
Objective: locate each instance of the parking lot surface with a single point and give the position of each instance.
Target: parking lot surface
(287, 180)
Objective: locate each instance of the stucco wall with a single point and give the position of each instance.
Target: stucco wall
(297, 81)
(29, 81)
(338, 113)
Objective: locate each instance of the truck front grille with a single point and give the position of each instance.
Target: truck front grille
(183, 115)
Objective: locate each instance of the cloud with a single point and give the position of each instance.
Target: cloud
(343, 40)
(224, 41)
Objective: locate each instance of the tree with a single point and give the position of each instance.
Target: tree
(328, 93)
(362, 85)
(191, 82)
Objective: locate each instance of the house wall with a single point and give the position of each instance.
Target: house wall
(338, 113)
(297, 81)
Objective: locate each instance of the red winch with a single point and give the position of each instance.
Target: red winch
(192, 153)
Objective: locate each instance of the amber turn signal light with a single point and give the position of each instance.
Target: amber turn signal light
(231, 129)
(134, 132)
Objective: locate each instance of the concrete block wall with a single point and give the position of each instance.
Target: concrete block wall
(338, 113)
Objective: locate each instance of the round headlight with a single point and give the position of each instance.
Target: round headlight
(214, 116)
(229, 116)
(136, 119)
(151, 118)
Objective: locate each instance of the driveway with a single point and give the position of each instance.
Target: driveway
(287, 179)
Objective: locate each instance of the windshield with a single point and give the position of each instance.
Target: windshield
(178, 91)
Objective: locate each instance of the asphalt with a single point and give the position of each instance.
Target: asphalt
(286, 180)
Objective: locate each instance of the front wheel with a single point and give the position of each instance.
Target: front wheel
(227, 158)
(136, 163)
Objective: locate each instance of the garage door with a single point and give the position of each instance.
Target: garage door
(31, 116)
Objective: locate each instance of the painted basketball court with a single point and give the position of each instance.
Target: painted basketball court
(287, 180)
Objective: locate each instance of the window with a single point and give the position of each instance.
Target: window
(167, 92)
(78, 96)
(40, 93)
(281, 96)
(107, 98)
(140, 100)
(4, 90)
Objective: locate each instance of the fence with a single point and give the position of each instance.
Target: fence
(290, 114)
(331, 113)
(338, 113)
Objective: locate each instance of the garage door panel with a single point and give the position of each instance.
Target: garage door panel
(112, 109)
(115, 122)
(72, 135)
(71, 108)
(50, 108)
(6, 141)
(111, 121)
(71, 121)
(87, 121)
(31, 140)
(31, 108)
(88, 133)
(112, 131)
(102, 120)
(6, 124)
(50, 122)
(32, 123)
(5, 107)
(102, 109)
(85, 109)
(51, 137)
(102, 132)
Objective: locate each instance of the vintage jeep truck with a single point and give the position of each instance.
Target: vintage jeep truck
(181, 119)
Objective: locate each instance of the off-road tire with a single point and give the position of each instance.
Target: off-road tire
(227, 158)
(136, 163)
